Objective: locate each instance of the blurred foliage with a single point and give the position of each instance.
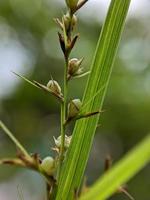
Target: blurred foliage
(34, 116)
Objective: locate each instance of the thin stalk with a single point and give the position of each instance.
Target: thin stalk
(12, 137)
(67, 40)
(63, 118)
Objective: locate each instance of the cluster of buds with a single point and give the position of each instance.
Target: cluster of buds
(69, 22)
(66, 143)
(67, 25)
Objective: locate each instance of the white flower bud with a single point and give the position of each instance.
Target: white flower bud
(66, 144)
(74, 66)
(54, 87)
(74, 108)
(48, 165)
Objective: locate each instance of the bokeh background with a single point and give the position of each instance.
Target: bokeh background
(29, 46)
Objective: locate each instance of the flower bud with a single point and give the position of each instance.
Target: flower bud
(74, 21)
(69, 22)
(74, 108)
(54, 87)
(48, 165)
(72, 4)
(66, 144)
(74, 66)
(66, 19)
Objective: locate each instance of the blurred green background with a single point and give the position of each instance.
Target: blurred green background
(29, 46)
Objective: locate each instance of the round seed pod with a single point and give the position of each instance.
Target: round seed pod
(74, 66)
(74, 108)
(48, 165)
(54, 87)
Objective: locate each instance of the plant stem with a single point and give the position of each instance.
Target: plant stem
(63, 118)
(67, 40)
(12, 137)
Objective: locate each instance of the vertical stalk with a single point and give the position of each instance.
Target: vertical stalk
(63, 118)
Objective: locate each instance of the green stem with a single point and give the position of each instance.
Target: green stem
(67, 38)
(12, 137)
(63, 119)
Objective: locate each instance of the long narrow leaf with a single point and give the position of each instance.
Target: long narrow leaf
(76, 159)
(122, 172)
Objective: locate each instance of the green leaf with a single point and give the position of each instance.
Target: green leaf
(83, 134)
(120, 173)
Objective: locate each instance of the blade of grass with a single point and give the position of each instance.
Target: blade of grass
(101, 68)
(12, 137)
(120, 173)
(25, 79)
(40, 86)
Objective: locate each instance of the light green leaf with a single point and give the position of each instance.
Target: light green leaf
(83, 134)
(120, 173)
